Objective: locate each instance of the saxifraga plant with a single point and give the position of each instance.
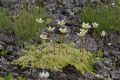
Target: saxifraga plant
(50, 32)
(82, 35)
(63, 32)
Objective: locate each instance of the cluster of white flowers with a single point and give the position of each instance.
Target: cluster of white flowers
(103, 33)
(109, 44)
(42, 36)
(86, 25)
(113, 4)
(61, 23)
(50, 29)
(82, 32)
(95, 25)
(63, 30)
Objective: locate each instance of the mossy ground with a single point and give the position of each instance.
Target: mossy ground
(55, 58)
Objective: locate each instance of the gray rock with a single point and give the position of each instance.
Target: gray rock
(47, 2)
(7, 39)
(118, 63)
(10, 48)
(1, 47)
(88, 43)
(99, 66)
(10, 58)
(68, 3)
(116, 53)
(107, 63)
(89, 76)
(106, 54)
(116, 74)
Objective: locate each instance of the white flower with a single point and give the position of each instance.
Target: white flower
(40, 20)
(86, 25)
(95, 25)
(63, 30)
(50, 29)
(113, 4)
(61, 23)
(82, 32)
(37, 7)
(109, 44)
(42, 36)
(103, 33)
(44, 74)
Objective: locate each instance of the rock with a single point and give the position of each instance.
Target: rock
(10, 58)
(73, 3)
(70, 69)
(10, 48)
(7, 39)
(89, 76)
(116, 53)
(80, 79)
(99, 66)
(1, 47)
(105, 73)
(88, 43)
(106, 54)
(13, 6)
(107, 63)
(4, 66)
(116, 74)
(9, 52)
(69, 73)
(72, 37)
(47, 2)
(58, 76)
(68, 3)
(118, 64)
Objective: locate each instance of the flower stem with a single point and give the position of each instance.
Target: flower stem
(94, 34)
(81, 45)
(54, 47)
(66, 47)
(59, 44)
